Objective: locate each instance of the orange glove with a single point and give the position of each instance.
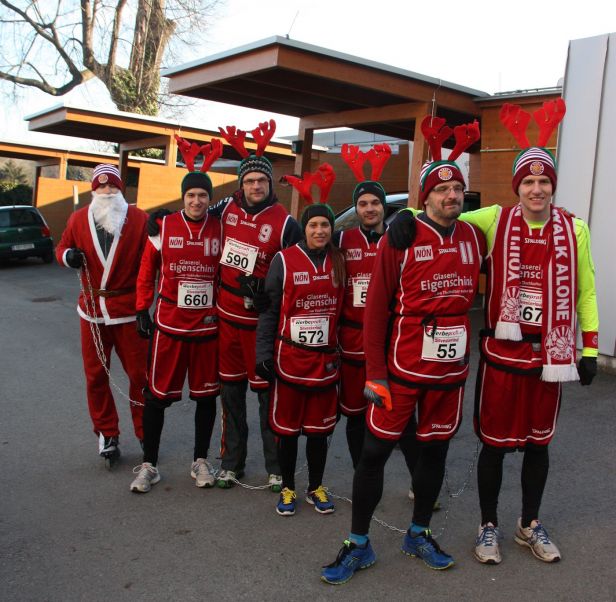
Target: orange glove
(377, 392)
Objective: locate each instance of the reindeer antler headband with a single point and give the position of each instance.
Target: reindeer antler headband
(377, 157)
(436, 131)
(533, 160)
(190, 151)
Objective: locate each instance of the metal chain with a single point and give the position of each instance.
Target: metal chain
(90, 305)
(450, 495)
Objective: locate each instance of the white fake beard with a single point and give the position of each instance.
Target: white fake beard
(109, 211)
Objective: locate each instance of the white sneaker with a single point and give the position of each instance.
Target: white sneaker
(486, 544)
(147, 475)
(275, 483)
(536, 538)
(203, 473)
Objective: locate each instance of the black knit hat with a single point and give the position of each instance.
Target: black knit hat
(255, 163)
(196, 179)
(369, 187)
(317, 210)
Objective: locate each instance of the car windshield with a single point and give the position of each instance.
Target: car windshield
(18, 217)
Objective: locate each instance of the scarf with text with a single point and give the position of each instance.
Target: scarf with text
(558, 298)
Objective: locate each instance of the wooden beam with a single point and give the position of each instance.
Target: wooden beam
(145, 143)
(357, 117)
(420, 154)
(302, 164)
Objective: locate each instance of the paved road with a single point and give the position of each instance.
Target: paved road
(70, 530)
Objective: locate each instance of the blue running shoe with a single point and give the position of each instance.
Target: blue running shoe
(351, 558)
(424, 547)
(286, 503)
(320, 500)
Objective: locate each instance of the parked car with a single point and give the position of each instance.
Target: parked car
(24, 233)
(347, 218)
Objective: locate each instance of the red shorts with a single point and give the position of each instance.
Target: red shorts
(237, 355)
(514, 409)
(439, 413)
(294, 411)
(171, 359)
(352, 382)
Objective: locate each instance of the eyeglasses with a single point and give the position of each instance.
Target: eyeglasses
(457, 188)
(252, 182)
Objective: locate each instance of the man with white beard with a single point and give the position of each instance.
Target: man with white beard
(105, 241)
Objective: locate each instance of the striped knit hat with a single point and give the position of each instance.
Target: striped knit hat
(106, 174)
(434, 172)
(255, 163)
(534, 161)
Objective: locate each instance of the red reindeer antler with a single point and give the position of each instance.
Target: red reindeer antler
(378, 156)
(236, 138)
(323, 178)
(188, 151)
(465, 135)
(548, 118)
(516, 120)
(263, 134)
(211, 152)
(355, 159)
(435, 131)
(326, 181)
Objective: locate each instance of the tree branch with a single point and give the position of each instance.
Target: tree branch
(115, 36)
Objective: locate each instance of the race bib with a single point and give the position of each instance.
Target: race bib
(310, 331)
(531, 306)
(195, 295)
(447, 345)
(360, 291)
(239, 255)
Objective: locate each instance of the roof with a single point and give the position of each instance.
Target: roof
(297, 79)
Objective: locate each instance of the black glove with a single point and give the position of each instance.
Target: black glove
(250, 285)
(377, 392)
(74, 258)
(401, 232)
(266, 370)
(145, 326)
(587, 369)
(261, 302)
(152, 226)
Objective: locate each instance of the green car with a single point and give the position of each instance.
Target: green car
(24, 233)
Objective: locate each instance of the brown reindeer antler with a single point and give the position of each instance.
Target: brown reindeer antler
(548, 117)
(263, 134)
(516, 120)
(236, 138)
(355, 159)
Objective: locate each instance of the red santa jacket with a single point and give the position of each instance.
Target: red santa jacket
(112, 279)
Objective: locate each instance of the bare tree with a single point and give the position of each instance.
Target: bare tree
(56, 46)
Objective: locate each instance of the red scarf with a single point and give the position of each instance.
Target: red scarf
(559, 294)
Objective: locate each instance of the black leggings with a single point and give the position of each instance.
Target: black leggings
(316, 456)
(154, 420)
(368, 480)
(535, 467)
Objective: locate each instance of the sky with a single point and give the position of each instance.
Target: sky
(488, 46)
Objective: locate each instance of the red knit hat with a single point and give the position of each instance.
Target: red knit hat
(533, 160)
(435, 171)
(106, 174)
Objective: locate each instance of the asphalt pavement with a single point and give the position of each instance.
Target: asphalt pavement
(71, 530)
